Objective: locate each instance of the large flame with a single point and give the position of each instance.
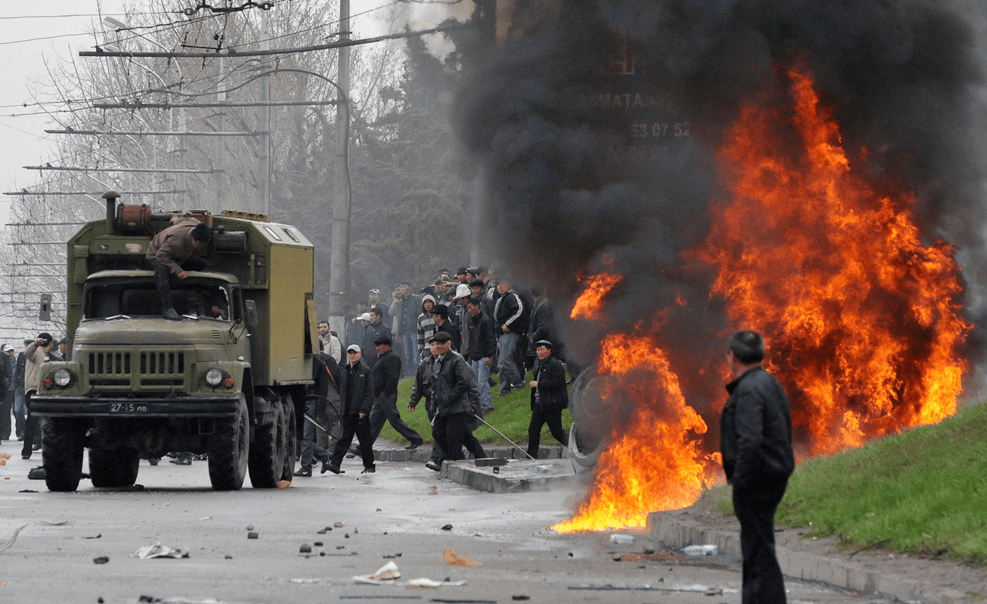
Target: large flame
(861, 318)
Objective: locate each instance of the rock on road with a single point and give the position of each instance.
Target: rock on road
(79, 547)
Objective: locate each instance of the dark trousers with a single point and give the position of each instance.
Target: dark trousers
(538, 419)
(352, 424)
(438, 453)
(386, 410)
(451, 431)
(310, 450)
(6, 406)
(30, 427)
(755, 503)
(162, 277)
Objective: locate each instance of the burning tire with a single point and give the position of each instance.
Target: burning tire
(228, 449)
(591, 425)
(61, 452)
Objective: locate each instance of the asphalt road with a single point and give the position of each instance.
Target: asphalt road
(80, 547)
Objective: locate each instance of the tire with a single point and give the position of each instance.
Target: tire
(272, 453)
(110, 468)
(228, 449)
(62, 446)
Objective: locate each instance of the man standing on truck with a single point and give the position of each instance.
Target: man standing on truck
(172, 252)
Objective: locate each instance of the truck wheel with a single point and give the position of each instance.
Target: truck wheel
(113, 467)
(272, 453)
(228, 451)
(61, 452)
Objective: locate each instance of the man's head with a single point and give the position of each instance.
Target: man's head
(200, 235)
(428, 304)
(323, 328)
(462, 294)
(365, 318)
(474, 306)
(45, 340)
(543, 348)
(744, 349)
(382, 344)
(353, 354)
(440, 313)
(442, 342)
(373, 296)
(63, 345)
(376, 314)
(504, 286)
(476, 287)
(461, 275)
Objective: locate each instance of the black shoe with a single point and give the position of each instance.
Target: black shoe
(369, 470)
(414, 446)
(169, 313)
(333, 469)
(304, 472)
(431, 465)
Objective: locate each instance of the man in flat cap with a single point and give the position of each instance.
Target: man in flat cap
(548, 398)
(172, 252)
(385, 375)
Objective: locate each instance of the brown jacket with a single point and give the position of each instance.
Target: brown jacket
(173, 246)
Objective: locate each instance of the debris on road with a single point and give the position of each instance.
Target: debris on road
(387, 573)
(159, 551)
(708, 549)
(454, 559)
(622, 539)
(101, 560)
(424, 583)
(10, 542)
(252, 535)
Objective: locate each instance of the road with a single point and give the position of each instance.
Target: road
(79, 547)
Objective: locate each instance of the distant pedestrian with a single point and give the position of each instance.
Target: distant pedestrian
(356, 398)
(511, 325)
(6, 402)
(480, 349)
(548, 398)
(756, 443)
(36, 355)
(426, 327)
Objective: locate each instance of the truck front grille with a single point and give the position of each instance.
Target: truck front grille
(150, 372)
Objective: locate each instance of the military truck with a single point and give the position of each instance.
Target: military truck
(227, 380)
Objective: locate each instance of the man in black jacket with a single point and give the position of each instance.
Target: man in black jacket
(511, 325)
(356, 397)
(385, 376)
(481, 349)
(548, 398)
(756, 443)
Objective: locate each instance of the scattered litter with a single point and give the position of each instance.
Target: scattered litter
(447, 527)
(520, 597)
(176, 600)
(53, 522)
(397, 555)
(317, 544)
(10, 542)
(708, 549)
(305, 549)
(252, 535)
(284, 484)
(424, 583)
(380, 597)
(388, 572)
(3, 458)
(27, 491)
(338, 525)
(159, 551)
(206, 518)
(698, 589)
(97, 536)
(325, 530)
(302, 580)
(622, 539)
(433, 490)
(451, 557)
(101, 560)
(250, 527)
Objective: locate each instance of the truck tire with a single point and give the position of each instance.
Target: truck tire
(116, 467)
(272, 453)
(61, 452)
(228, 449)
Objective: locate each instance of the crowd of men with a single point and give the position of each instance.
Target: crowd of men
(20, 378)
(450, 336)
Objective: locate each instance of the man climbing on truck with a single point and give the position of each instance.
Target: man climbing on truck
(172, 252)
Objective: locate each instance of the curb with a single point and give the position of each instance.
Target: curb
(674, 529)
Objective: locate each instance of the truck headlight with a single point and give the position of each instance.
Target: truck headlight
(62, 377)
(214, 377)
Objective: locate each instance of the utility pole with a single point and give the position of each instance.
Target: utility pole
(264, 173)
(339, 265)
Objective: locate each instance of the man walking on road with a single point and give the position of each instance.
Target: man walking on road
(756, 443)
(356, 396)
(385, 376)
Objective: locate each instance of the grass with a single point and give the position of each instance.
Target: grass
(922, 492)
(511, 415)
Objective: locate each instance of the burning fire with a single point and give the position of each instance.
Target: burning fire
(589, 306)
(861, 318)
(654, 464)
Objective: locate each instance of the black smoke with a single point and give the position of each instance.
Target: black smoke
(568, 190)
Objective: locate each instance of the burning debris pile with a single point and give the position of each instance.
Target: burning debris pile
(674, 171)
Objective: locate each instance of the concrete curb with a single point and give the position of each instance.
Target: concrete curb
(674, 529)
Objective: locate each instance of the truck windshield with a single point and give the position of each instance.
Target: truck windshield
(140, 299)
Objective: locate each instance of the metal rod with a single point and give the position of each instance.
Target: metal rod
(502, 435)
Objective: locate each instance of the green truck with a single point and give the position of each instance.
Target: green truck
(228, 380)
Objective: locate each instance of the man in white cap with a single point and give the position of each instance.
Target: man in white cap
(356, 399)
(460, 317)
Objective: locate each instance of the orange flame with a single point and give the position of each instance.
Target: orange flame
(590, 302)
(656, 464)
(861, 316)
